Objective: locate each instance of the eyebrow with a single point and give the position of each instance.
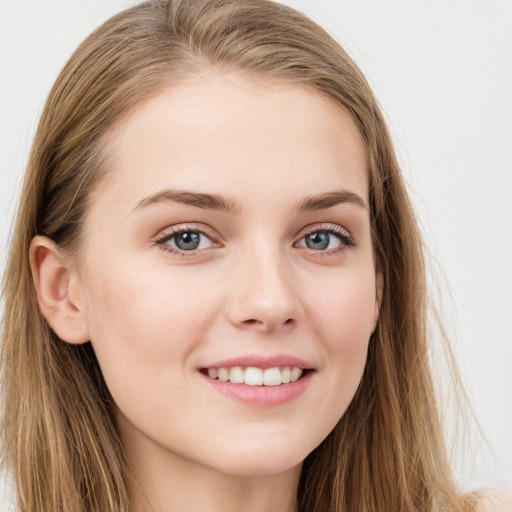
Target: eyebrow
(197, 199)
(330, 199)
(217, 202)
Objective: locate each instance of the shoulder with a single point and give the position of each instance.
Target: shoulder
(497, 500)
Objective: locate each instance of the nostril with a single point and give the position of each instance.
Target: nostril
(267, 324)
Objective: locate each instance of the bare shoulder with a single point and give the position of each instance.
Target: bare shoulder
(497, 500)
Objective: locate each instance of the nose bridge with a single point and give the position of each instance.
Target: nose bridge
(264, 289)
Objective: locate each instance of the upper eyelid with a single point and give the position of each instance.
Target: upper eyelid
(323, 226)
(183, 228)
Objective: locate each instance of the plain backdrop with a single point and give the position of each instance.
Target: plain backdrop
(442, 71)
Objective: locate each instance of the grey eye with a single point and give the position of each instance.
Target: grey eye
(189, 241)
(320, 241)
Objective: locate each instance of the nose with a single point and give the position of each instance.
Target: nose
(265, 296)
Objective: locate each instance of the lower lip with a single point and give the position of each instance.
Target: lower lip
(261, 395)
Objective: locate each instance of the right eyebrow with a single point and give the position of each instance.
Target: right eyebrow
(200, 200)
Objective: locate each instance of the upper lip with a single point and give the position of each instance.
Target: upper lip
(263, 362)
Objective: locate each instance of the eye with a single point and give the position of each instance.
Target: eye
(185, 240)
(331, 239)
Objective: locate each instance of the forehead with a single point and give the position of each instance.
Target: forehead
(235, 135)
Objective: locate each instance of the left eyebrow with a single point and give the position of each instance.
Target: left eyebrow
(330, 199)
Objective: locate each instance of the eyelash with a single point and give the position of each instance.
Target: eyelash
(347, 241)
(345, 238)
(175, 231)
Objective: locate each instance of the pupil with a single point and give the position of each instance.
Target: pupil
(187, 241)
(318, 240)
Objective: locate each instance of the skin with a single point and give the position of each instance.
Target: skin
(155, 317)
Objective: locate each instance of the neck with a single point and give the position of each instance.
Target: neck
(164, 482)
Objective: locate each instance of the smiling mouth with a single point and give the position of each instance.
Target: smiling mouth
(254, 376)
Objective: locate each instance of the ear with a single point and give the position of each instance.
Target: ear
(379, 290)
(57, 289)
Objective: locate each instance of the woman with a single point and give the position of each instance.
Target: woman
(215, 292)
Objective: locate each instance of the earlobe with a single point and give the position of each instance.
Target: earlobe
(55, 283)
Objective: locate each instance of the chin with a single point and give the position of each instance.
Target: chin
(260, 468)
(264, 459)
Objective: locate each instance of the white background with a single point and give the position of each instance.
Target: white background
(443, 74)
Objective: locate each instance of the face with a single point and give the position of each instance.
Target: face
(227, 274)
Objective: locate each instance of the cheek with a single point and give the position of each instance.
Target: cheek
(144, 328)
(345, 310)
(144, 320)
(344, 318)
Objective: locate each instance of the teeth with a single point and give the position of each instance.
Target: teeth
(272, 377)
(253, 376)
(295, 373)
(236, 375)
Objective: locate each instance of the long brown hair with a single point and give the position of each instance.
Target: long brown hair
(59, 438)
